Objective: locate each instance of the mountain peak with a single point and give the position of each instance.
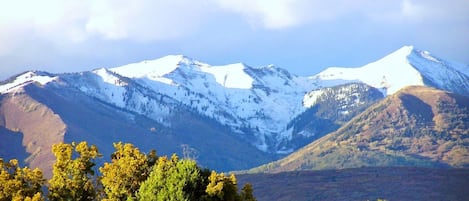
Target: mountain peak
(406, 66)
(155, 68)
(178, 59)
(400, 54)
(406, 48)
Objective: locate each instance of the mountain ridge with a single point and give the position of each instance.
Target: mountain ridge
(265, 107)
(218, 91)
(404, 67)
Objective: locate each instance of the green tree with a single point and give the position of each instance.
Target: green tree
(130, 175)
(128, 169)
(73, 177)
(18, 183)
(172, 179)
(222, 187)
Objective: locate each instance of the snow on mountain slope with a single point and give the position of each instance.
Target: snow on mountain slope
(236, 95)
(151, 69)
(24, 79)
(392, 72)
(256, 103)
(439, 73)
(231, 76)
(404, 67)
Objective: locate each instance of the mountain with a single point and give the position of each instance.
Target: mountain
(407, 66)
(328, 109)
(241, 97)
(48, 114)
(237, 96)
(227, 117)
(416, 126)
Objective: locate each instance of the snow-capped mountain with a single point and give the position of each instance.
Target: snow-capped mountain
(258, 105)
(24, 79)
(251, 101)
(328, 109)
(404, 67)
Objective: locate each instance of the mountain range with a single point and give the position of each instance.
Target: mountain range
(234, 116)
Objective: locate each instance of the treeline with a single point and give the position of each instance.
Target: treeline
(130, 175)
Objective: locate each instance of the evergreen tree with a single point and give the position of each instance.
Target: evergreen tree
(18, 183)
(73, 178)
(128, 169)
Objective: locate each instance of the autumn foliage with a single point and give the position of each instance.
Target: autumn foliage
(129, 175)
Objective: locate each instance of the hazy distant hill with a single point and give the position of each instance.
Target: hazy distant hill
(417, 126)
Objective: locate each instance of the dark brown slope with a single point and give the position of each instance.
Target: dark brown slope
(359, 184)
(418, 126)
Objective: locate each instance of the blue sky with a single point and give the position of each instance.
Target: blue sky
(303, 36)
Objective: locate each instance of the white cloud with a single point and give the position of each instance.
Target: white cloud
(271, 14)
(144, 20)
(75, 21)
(287, 13)
(52, 21)
(149, 20)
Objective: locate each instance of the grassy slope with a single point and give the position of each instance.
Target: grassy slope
(419, 126)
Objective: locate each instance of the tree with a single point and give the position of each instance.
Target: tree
(128, 169)
(130, 175)
(247, 193)
(172, 179)
(73, 178)
(222, 187)
(18, 183)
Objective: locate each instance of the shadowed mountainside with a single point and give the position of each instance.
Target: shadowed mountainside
(45, 117)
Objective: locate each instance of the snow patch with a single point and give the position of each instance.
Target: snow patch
(109, 78)
(151, 68)
(311, 98)
(24, 79)
(426, 55)
(231, 76)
